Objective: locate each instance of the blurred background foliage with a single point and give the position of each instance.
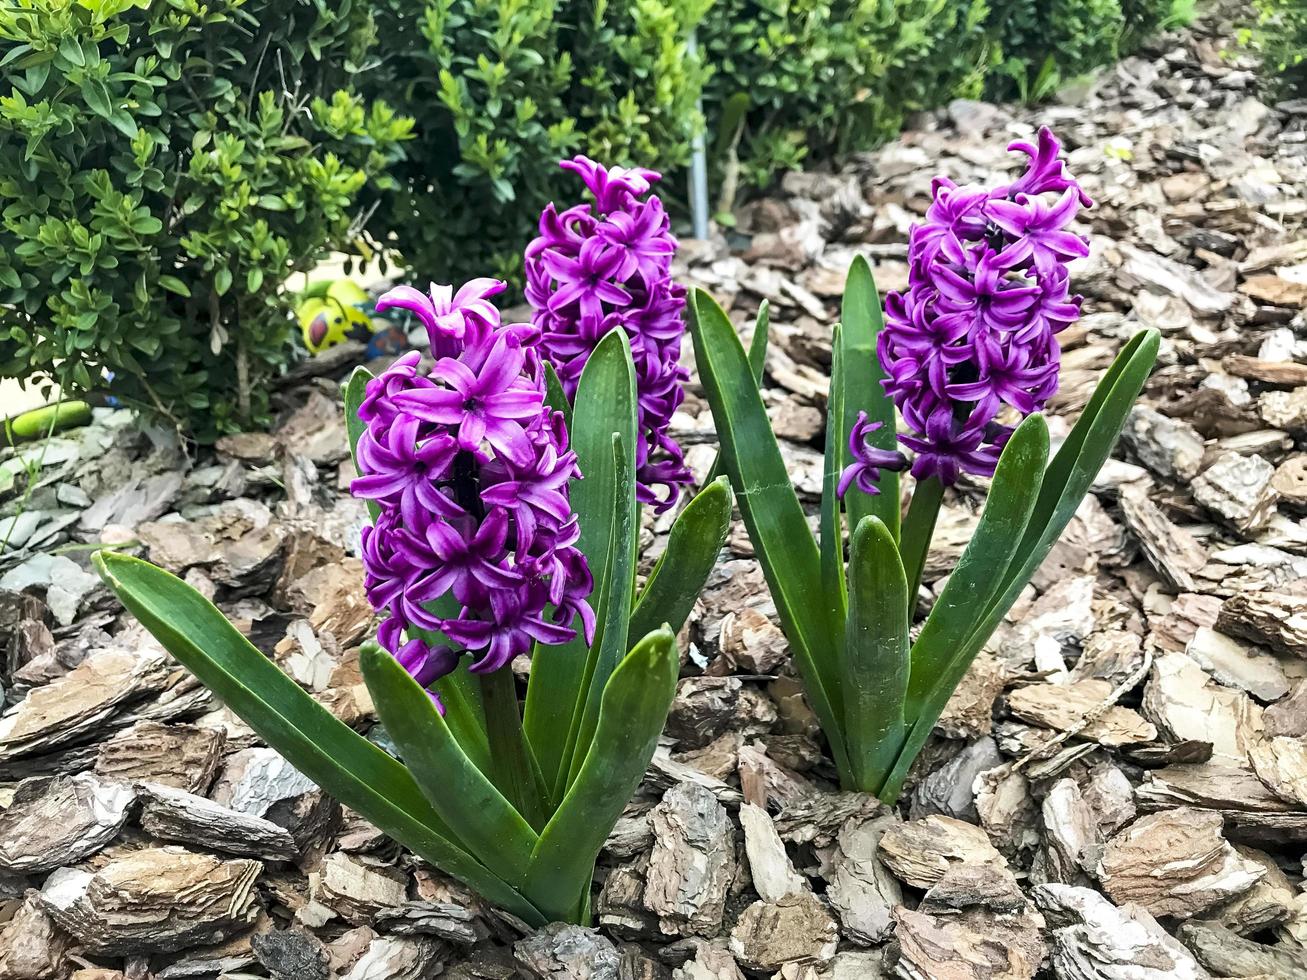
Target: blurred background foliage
(165, 165)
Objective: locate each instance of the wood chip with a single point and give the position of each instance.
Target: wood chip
(1184, 703)
(1287, 373)
(773, 875)
(1064, 706)
(567, 952)
(153, 900)
(798, 929)
(1171, 550)
(81, 702)
(1094, 940)
(1228, 955)
(1236, 664)
(1237, 489)
(182, 756)
(1175, 863)
(976, 946)
(1276, 619)
(692, 863)
(919, 852)
(861, 889)
(61, 821)
(175, 815)
(356, 889)
(1169, 447)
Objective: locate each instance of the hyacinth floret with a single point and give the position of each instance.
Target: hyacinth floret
(975, 331)
(597, 266)
(470, 472)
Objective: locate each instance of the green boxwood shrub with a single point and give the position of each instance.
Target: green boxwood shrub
(1281, 38)
(1047, 42)
(807, 78)
(164, 166)
(501, 90)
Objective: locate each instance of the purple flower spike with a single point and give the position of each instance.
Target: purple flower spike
(975, 329)
(868, 461)
(470, 470)
(596, 267)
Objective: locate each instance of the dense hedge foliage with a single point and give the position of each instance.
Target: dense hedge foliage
(501, 90)
(1281, 37)
(164, 167)
(814, 76)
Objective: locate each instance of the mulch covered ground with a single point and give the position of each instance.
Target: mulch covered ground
(1118, 790)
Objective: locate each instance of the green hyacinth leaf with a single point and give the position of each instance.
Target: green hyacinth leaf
(605, 405)
(777, 526)
(757, 364)
(634, 709)
(1064, 485)
(355, 391)
(875, 658)
(555, 397)
(978, 576)
(831, 527)
(469, 804)
(616, 592)
(334, 756)
(693, 544)
(860, 380)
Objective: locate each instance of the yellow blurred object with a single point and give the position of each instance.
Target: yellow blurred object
(330, 319)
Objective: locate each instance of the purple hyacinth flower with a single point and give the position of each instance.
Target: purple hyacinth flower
(974, 334)
(486, 405)
(868, 460)
(597, 267)
(470, 471)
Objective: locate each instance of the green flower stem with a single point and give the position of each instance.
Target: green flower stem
(514, 772)
(918, 529)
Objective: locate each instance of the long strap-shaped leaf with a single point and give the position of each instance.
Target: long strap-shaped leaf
(831, 529)
(1064, 485)
(757, 364)
(463, 711)
(605, 404)
(334, 756)
(860, 381)
(979, 574)
(693, 544)
(466, 800)
(635, 704)
(875, 654)
(779, 531)
(613, 614)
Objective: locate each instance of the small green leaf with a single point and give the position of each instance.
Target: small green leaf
(693, 544)
(466, 800)
(222, 280)
(631, 717)
(174, 285)
(96, 97)
(875, 658)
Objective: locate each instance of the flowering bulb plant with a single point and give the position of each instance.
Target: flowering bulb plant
(504, 523)
(968, 354)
